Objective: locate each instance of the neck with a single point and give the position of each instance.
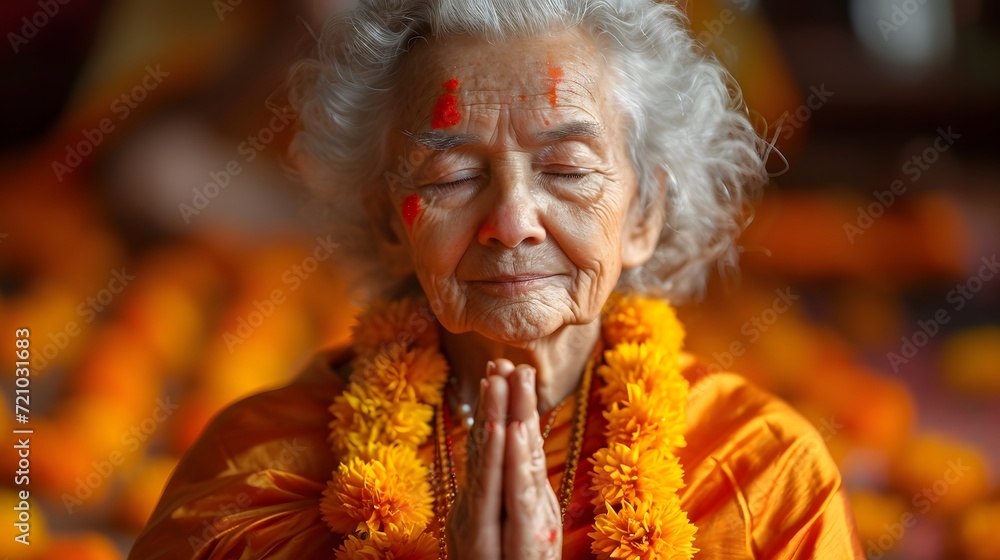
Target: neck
(558, 359)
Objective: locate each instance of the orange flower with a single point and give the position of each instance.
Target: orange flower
(406, 322)
(372, 496)
(650, 366)
(394, 545)
(355, 548)
(362, 416)
(400, 457)
(634, 473)
(407, 423)
(635, 318)
(399, 373)
(644, 531)
(354, 416)
(650, 419)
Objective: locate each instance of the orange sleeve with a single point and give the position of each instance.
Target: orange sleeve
(250, 486)
(760, 481)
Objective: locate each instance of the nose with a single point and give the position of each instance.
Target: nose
(515, 216)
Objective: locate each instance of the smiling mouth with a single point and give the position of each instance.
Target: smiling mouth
(514, 279)
(510, 285)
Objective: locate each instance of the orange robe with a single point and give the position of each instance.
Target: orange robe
(759, 481)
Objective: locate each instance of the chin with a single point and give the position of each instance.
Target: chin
(518, 323)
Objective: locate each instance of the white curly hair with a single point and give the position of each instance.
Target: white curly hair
(686, 121)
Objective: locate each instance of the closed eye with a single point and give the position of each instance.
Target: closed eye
(566, 176)
(440, 187)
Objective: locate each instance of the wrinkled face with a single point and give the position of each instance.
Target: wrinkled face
(516, 199)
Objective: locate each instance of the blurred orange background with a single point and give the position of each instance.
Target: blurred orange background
(165, 262)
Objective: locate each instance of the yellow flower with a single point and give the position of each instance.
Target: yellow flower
(635, 318)
(649, 366)
(399, 373)
(650, 419)
(407, 423)
(371, 496)
(400, 457)
(356, 548)
(355, 412)
(392, 545)
(411, 546)
(362, 416)
(406, 321)
(644, 531)
(634, 473)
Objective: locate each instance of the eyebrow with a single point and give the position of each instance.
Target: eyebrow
(573, 129)
(442, 141)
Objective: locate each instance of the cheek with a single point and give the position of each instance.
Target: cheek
(412, 209)
(590, 236)
(439, 238)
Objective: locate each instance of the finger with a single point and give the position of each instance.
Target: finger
(504, 367)
(479, 417)
(532, 524)
(521, 494)
(486, 476)
(474, 520)
(524, 407)
(523, 399)
(477, 435)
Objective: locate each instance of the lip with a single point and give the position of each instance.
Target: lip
(508, 285)
(514, 279)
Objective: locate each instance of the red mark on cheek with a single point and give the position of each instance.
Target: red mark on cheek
(412, 208)
(446, 113)
(555, 78)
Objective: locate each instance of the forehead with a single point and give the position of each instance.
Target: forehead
(559, 71)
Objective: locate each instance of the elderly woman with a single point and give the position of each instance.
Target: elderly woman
(519, 181)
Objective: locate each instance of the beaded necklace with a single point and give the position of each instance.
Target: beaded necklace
(382, 497)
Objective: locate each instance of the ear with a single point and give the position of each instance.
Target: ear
(641, 233)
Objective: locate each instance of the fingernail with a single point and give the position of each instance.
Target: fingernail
(491, 426)
(522, 431)
(491, 367)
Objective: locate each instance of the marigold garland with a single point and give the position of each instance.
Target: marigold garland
(637, 475)
(381, 499)
(644, 530)
(394, 544)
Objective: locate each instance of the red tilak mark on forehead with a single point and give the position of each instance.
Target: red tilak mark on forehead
(445, 112)
(412, 208)
(523, 97)
(556, 77)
